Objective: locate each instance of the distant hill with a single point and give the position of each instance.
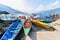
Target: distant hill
(57, 10)
(9, 9)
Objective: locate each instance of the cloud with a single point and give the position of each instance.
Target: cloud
(50, 6)
(15, 4)
(20, 5)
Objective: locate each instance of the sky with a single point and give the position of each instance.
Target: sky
(31, 5)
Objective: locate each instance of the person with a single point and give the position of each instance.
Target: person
(27, 23)
(53, 16)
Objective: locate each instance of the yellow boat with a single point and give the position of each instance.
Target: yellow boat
(38, 23)
(45, 21)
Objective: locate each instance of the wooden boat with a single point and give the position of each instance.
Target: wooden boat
(45, 21)
(12, 31)
(22, 17)
(42, 24)
(27, 26)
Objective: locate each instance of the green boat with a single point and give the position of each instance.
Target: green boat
(27, 26)
(47, 21)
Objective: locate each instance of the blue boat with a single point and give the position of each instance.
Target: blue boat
(12, 31)
(45, 17)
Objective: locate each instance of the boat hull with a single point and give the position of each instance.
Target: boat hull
(46, 26)
(12, 31)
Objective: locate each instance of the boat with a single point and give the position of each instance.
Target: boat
(45, 21)
(38, 23)
(12, 31)
(4, 25)
(27, 26)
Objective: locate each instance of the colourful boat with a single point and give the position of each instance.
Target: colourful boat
(12, 31)
(45, 21)
(41, 24)
(27, 26)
